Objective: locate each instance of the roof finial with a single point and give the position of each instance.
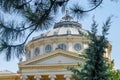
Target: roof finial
(67, 17)
(67, 12)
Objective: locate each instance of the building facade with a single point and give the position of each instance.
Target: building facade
(49, 54)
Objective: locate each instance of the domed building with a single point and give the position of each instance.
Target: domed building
(49, 54)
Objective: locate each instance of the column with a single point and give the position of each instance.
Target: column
(37, 77)
(52, 77)
(67, 76)
(23, 77)
(70, 48)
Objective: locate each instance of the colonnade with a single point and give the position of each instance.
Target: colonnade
(51, 77)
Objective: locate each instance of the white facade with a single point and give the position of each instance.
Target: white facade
(49, 54)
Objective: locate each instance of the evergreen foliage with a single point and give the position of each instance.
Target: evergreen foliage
(114, 74)
(37, 16)
(95, 67)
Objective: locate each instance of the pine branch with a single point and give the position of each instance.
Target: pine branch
(79, 12)
(11, 30)
(37, 13)
(21, 6)
(106, 26)
(97, 5)
(14, 5)
(39, 22)
(25, 39)
(18, 49)
(9, 48)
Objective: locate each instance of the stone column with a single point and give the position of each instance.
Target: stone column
(52, 77)
(37, 77)
(67, 76)
(23, 77)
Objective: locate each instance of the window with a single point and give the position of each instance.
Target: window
(37, 51)
(62, 46)
(48, 48)
(55, 33)
(42, 35)
(29, 54)
(77, 47)
(68, 32)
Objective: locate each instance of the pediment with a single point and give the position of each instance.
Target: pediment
(55, 57)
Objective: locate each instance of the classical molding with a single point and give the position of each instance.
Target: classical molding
(67, 76)
(51, 55)
(37, 77)
(54, 39)
(42, 73)
(53, 66)
(23, 77)
(9, 76)
(52, 76)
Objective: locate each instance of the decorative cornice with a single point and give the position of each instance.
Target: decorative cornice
(52, 54)
(9, 76)
(54, 39)
(53, 66)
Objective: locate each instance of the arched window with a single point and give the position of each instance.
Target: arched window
(48, 48)
(55, 33)
(29, 55)
(62, 46)
(77, 47)
(68, 32)
(37, 51)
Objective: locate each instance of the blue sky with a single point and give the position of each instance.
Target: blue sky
(107, 9)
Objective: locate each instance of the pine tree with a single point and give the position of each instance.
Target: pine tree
(95, 67)
(114, 74)
(37, 15)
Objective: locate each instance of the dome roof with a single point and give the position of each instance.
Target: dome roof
(64, 27)
(66, 35)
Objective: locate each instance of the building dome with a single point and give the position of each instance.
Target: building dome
(67, 35)
(49, 54)
(65, 27)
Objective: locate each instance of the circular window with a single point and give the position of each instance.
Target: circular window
(77, 47)
(37, 51)
(48, 48)
(62, 46)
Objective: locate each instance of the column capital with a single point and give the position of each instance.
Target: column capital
(23, 77)
(52, 76)
(37, 77)
(67, 75)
